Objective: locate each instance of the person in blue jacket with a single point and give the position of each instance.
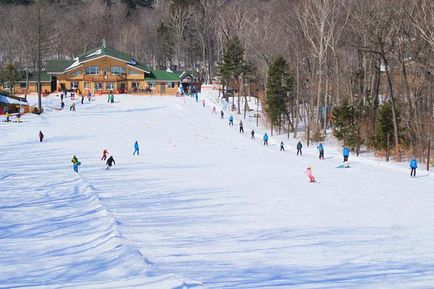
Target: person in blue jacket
(265, 139)
(320, 148)
(231, 120)
(75, 163)
(346, 153)
(136, 148)
(413, 167)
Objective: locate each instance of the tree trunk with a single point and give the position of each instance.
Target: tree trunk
(392, 101)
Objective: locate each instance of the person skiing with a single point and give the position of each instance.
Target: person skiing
(282, 147)
(104, 155)
(82, 98)
(41, 136)
(203, 102)
(110, 162)
(7, 115)
(299, 147)
(413, 167)
(61, 97)
(231, 120)
(241, 127)
(62, 104)
(75, 163)
(265, 139)
(320, 148)
(346, 153)
(222, 114)
(252, 134)
(214, 110)
(136, 148)
(89, 95)
(310, 175)
(72, 107)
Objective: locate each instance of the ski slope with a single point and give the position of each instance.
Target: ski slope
(203, 206)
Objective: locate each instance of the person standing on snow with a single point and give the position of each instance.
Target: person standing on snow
(62, 104)
(252, 134)
(136, 148)
(346, 153)
(72, 107)
(41, 136)
(104, 155)
(231, 120)
(214, 110)
(241, 127)
(310, 175)
(75, 163)
(299, 147)
(320, 148)
(282, 147)
(82, 98)
(265, 139)
(413, 167)
(110, 162)
(203, 102)
(222, 114)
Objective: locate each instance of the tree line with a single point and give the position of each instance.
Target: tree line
(360, 69)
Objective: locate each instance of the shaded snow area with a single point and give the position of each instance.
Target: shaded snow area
(203, 206)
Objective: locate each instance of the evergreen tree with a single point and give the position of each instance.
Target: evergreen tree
(385, 127)
(346, 123)
(10, 76)
(165, 45)
(279, 90)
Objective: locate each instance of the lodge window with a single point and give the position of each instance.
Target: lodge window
(172, 84)
(117, 70)
(74, 85)
(98, 85)
(92, 70)
(6, 85)
(135, 84)
(109, 86)
(133, 72)
(75, 73)
(23, 85)
(87, 85)
(152, 85)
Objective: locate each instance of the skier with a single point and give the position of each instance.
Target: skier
(214, 110)
(265, 139)
(104, 155)
(203, 102)
(136, 148)
(194, 93)
(18, 117)
(222, 114)
(72, 107)
(299, 147)
(252, 134)
(110, 162)
(310, 175)
(320, 148)
(282, 148)
(7, 115)
(241, 127)
(413, 167)
(89, 95)
(231, 120)
(41, 136)
(346, 153)
(82, 98)
(61, 97)
(75, 163)
(62, 105)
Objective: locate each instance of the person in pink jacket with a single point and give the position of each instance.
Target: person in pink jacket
(310, 174)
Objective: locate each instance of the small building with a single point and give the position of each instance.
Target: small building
(21, 84)
(13, 104)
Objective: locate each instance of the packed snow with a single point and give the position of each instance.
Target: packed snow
(202, 206)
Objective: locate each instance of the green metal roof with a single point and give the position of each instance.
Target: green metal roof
(56, 66)
(162, 75)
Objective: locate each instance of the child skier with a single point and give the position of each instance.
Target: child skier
(104, 155)
(282, 148)
(299, 147)
(320, 148)
(310, 175)
(241, 127)
(214, 110)
(413, 167)
(252, 134)
(222, 114)
(231, 120)
(72, 107)
(136, 148)
(265, 139)
(346, 153)
(110, 162)
(41, 136)
(75, 163)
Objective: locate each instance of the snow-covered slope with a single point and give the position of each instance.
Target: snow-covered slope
(201, 202)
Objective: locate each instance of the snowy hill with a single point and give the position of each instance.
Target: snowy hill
(202, 202)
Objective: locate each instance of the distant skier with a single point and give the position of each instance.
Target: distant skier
(7, 115)
(241, 127)
(282, 147)
(18, 117)
(89, 95)
(110, 162)
(265, 139)
(222, 114)
(320, 148)
(75, 163)
(104, 155)
(72, 107)
(299, 147)
(310, 175)
(346, 153)
(62, 104)
(82, 98)
(413, 167)
(41, 136)
(214, 110)
(61, 97)
(231, 120)
(194, 93)
(136, 148)
(203, 102)
(252, 134)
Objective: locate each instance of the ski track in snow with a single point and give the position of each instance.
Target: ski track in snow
(201, 202)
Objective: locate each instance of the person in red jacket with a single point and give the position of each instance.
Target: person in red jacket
(104, 155)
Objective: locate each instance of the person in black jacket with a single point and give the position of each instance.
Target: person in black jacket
(110, 162)
(299, 146)
(41, 136)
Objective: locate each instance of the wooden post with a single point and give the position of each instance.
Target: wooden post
(388, 146)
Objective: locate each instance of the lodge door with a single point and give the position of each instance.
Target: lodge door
(163, 87)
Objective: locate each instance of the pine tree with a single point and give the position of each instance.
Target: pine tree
(165, 45)
(346, 122)
(279, 90)
(10, 76)
(385, 127)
